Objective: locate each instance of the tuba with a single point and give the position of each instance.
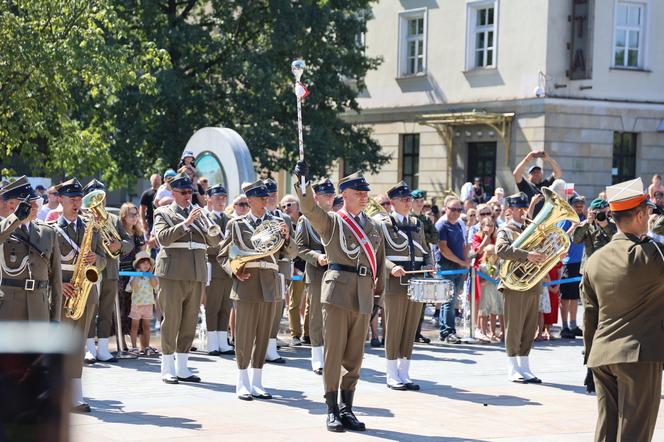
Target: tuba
(266, 240)
(84, 277)
(374, 208)
(542, 236)
(93, 203)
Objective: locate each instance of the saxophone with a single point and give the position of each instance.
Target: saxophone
(541, 236)
(85, 276)
(93, 204)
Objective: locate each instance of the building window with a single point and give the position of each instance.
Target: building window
(624, 157)
(412, 42)
(410, 159)
(629, 35)
(481, 42)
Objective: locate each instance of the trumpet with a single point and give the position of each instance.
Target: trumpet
(206, 224)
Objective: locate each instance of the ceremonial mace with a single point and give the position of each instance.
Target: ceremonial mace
(297, 68)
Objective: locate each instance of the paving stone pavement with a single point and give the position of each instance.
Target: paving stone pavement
(464, 397)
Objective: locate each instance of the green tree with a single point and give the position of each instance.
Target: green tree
(62, 65)
(230, 66)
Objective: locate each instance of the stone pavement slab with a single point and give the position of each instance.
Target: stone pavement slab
(464, 397)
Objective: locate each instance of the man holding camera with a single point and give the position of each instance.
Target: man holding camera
(595, 231)
(531, 186)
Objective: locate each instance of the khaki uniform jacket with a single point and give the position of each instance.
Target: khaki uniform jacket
(398, 253)
(216, 271)
(504, 238)
(68, 255)
(343, 289)
(180, 264)
(263, 285)
(127, 244)
(623, 296)
(44, 267)
(309, 248)
(430, 232)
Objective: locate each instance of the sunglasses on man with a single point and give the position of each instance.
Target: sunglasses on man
(455, 209)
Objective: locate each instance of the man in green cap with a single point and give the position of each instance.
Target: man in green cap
(595, 231)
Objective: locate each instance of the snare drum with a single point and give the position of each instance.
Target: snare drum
(430, 290)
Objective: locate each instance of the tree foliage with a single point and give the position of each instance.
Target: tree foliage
(121, 85)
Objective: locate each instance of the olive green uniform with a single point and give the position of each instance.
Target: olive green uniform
(405, 246)
(68, 234)
(256, 298)
(218, 302)
(285, 269)
(593, 237)
(623, 296)
(30, 270)
(347, 297)
(108, 289)
(520, 307)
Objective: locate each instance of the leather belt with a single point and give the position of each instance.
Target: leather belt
(361, 270)
(26, 284)
(186, 245)
(261, 265)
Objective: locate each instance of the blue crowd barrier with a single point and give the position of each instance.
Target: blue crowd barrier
(487, 277)
(297, 277)
(128, 273)
(546, 284)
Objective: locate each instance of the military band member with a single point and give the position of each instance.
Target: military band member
(70, 228)
(182, 271)
(218, 302)
(255, 290)
(108, 289)
(312, 251)
(406, 249)
(431, 235)
(520, 307)
(285, 270)
(595, 231)
(356, 263)
(30, 259)
(623, 296)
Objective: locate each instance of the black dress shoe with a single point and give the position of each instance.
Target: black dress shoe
(276, 361)
(412, 386)
(333, 421)
(113, 360)
(375, 342)
(348, 419)
(245, 397)
(262, 396)
(83, 408)
(192, 378)
(422, 339)
(318, 371)
(306, 340)
(227, 352)
(214, 353)
(170, 380)
(577, 332)
(399, 387)
(89, 361)
(534, 380)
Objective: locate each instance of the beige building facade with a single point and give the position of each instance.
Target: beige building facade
(468, 87)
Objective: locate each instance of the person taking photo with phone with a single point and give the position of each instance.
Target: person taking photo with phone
(535, 181)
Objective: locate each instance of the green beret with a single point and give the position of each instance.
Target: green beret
(599, 203)
(417, 194)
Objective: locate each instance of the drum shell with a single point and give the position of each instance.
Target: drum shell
(430, 290)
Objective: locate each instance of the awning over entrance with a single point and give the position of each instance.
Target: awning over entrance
(445, 123)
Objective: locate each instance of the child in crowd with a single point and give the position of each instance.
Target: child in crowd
(142, 303)
(491, 300)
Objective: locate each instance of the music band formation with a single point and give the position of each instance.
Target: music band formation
(68, 271)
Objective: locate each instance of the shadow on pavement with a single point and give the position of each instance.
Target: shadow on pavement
(112, 411)
(580, 389)
(407, 437)
(297, 399)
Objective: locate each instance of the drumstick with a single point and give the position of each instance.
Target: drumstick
(419, 271)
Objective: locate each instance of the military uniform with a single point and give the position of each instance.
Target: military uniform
(181, 267)
(285, 270)
(310, 248)
(592, 235)
(347, 296)
(623, 297)
(520, 307)
(256, 298)
(29, 264)
(70, 238)
(108, 289)
(218, 302)
(405, 246)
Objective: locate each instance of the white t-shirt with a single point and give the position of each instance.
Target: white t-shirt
(467, 191)
(43, 212)
(163, 192)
